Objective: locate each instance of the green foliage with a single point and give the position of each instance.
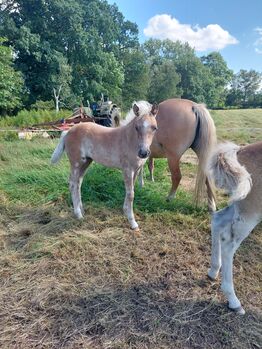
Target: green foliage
(245, 88)
(75, 44)
(26, 118)
(221, 77)
(136, 77)
(11, 82)
(164, 81)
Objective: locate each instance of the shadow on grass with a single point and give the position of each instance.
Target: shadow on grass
(145, 316)
(105, 187)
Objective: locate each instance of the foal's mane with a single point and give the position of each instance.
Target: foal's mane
(144, 109)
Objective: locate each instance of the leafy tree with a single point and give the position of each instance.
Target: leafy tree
(11, 82)
(221, 77)
(136, 76)
(80, 40)
(245, 85)
(164, 81)
(193, 79)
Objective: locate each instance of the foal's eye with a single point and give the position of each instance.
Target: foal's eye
(136, 128)
(154, 128)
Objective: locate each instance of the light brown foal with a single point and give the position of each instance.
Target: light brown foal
(183, 124)
(126, 148)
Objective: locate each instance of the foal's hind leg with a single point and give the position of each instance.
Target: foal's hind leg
(76, 177)
(173, 163)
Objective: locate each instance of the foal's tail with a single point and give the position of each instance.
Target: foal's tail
(204, 142)
(228, 173)
(58, 152)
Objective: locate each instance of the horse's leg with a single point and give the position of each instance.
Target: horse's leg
(173, 163)
(220, 219)
(129, 198)
(75, 182)
(151, 167)
(141, 176)
(231, 238)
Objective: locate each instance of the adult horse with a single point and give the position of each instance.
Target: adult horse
(183, 124)
(125, 147)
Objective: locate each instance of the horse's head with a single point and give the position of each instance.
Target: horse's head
(145, 128)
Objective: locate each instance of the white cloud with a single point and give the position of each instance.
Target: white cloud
(258, 42)
(210, 37)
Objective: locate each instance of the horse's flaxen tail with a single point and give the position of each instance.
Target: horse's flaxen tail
(203, 144)
(58, 152)
(228, 173)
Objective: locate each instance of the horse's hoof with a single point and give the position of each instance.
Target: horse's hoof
(239, 310)
(211, 276)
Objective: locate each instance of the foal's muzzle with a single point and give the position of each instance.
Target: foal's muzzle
(143, 153)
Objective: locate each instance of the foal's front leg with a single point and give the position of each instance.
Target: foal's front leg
(129, 198)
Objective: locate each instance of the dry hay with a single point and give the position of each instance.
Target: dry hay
(94, 284)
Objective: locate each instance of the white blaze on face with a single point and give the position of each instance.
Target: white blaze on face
(146, 124)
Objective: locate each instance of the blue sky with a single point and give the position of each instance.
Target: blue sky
(232, 27)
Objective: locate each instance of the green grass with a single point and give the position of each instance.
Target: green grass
(239, 125)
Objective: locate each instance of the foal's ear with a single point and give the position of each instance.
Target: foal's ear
(154, 109)
(136, 109)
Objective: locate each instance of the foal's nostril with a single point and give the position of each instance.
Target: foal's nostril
(143, 153)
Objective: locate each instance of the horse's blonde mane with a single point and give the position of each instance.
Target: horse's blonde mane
(144, 108)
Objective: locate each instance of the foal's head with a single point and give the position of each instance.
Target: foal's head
(145, 126)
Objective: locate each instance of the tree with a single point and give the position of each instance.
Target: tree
(80, 35)
(164, 82)
(11, 82)
(221, 76)
(136, 76)
(245, 85)
(193, 79)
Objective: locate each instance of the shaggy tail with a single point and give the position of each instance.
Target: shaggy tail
(203, 144)
(228, 173)
(58, 152)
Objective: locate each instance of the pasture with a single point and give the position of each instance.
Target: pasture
(96, 284)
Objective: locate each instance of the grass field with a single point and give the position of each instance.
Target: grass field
(96, 284)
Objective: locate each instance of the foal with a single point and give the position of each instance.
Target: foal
(126, 148)
(239, 171)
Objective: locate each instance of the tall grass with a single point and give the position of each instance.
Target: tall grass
(30, 117)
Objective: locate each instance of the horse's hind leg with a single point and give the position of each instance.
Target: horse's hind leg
(230, 229)
(76, 177)
(151, 167)
(173, 163)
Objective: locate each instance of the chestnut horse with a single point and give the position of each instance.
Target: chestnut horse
(126, 148)
(183, 124)
(238, 170)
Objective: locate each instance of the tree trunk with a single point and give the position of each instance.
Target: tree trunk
(57, 96)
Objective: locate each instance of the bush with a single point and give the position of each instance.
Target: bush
(8, 136)
(27, 118)
(43, 105)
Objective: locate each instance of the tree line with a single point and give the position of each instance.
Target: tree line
(74, 50)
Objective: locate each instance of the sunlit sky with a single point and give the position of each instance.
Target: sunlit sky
(232, 27)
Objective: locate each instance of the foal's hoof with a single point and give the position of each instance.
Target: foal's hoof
(239, 310)
(211, 276)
